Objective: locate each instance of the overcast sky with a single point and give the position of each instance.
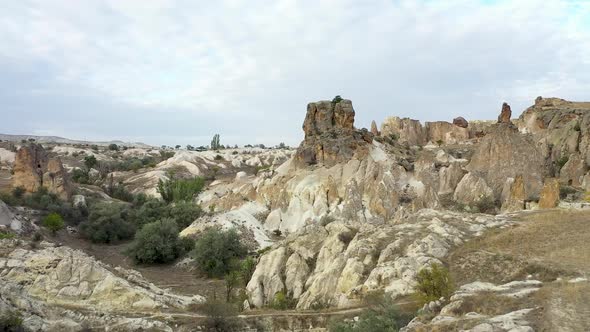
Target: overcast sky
(177, 72)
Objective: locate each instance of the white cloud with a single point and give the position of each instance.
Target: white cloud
(266, 59)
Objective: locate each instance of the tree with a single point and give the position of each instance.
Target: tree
(54, 222)
(232, 281)
(336, 100)
(108, 223)
(113, 147)
(248, 266)
(157, 242)
(381, 315)
(190, 147)
(216, 251)
(221, 317)
(177, 146)
(184, 213)
(90, 161)
(18, 192)
(215, 145)
(434, 282)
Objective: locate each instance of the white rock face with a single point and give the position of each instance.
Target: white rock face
(6, 157)
(342, 261)
(472, 189)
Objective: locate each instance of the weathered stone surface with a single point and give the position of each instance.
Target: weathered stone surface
(472, 189)
(341, 262)
(461, 122)
(405, 130)
(550, 194)
(33, 169)
(505, 114)
(449, 178)
(29, 165)
(446, 133)
(374, 128)
(572, 173)
(514, 195)
(330, 136)
(505, 153)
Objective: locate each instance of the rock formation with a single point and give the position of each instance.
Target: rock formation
(33, 169)
(404, 130)
(505, 114)
(505, 153)
(445, 133)
(549, 197)
(514, 195)
(68, 279)
(374, 129)
(461, 122)
(330, 136)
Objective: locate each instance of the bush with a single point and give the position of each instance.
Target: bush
(247, 268)
(283, 301)
(216, 251)
(54, 222)
(487, 205)
(433, 283)
(177, 190)
(336, 100)
(157, 242)
(90, 161)
(80, 176)
(221, 317)
(11, 321)
(381, 315)
(113, 147)
(107, 223)
(218, 157)
(6, 235)
(184, 213)
(18, 192)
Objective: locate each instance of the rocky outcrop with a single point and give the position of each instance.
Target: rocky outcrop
(374, 128)
(404, 130)
(550, 194)
(561, 125)
(337, 264)
(34, 169)
(505, 114)
(446, 133)
(330, 136)
(460, 122)
(572, 173)
(514, 195)
(472, 190)
(505, 153)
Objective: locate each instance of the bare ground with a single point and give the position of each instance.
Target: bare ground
(552, 246)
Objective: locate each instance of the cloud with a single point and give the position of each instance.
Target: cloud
(178, 71)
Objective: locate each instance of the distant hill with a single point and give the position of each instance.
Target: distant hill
(61, 140)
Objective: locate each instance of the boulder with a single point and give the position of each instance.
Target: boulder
(449, 178)
(549, 197)
(461, 122)
(505, 114)
(330, 136)
(405, 130)
(514, 195)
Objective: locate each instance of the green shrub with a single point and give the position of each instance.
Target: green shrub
(157, 242)
(54, 222)
(11, 321)
(216, 251)
(90, 161)
(176, 190)
(561, 162)
(107, 223)
(18, 192)
(247, 268)
(184, 213)
(113, 147)
(221, 317)
(150, 211)
(283, 301)
(486, 204)
(336, 100)
(381, 315)
(433, 283)
(80, 176)
(6, 235)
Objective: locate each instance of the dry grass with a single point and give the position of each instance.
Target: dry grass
(566, 307)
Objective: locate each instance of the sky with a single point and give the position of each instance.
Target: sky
(177, 72)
